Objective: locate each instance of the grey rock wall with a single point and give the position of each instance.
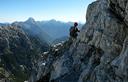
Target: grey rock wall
(100, 53)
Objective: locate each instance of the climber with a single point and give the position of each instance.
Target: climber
(74, 30)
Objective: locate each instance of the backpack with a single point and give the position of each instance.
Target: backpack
(73, 32)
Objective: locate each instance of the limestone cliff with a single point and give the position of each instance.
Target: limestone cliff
(100, 53)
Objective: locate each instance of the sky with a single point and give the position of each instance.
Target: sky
(61, 10)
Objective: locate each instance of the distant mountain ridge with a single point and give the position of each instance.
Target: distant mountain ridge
(48, 30)
(56, 29)
(4, 24)
(32, 28)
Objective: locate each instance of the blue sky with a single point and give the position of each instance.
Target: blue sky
(63, 10)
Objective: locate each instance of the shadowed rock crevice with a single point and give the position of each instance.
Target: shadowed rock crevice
(45, 78)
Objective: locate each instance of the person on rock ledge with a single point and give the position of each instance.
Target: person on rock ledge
(74, 30)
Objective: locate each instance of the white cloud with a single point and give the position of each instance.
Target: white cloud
(3, 20)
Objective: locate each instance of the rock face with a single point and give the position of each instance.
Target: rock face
(100, 53)
(19, 54)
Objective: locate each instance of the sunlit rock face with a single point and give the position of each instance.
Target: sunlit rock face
(100, 52)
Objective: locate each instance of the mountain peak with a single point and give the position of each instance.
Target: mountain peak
(30, 19)
(52, 20)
